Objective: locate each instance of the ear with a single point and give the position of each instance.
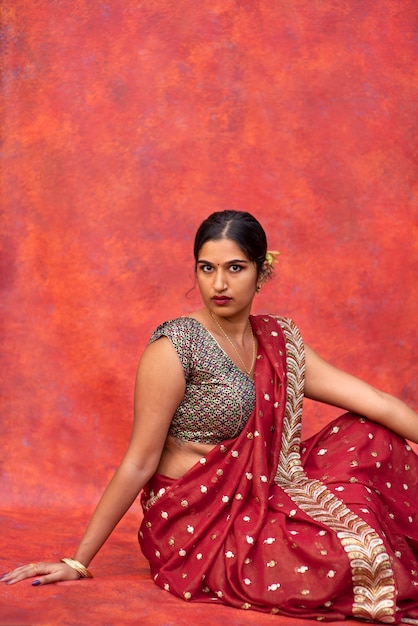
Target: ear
(264, 275)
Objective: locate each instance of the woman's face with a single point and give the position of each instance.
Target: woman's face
(227, 278)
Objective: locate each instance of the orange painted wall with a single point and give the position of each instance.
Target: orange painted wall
(124, 124)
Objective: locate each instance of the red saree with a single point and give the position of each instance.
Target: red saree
(327, 529)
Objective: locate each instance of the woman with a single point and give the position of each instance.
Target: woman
(236, 509)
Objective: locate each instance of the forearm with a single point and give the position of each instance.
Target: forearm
(119, 495)
(399, 417)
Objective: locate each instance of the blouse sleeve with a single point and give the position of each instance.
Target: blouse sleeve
(180, 333)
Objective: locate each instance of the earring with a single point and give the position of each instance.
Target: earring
(258, 288)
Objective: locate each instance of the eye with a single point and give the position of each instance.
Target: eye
(235, 268)
(205, 268)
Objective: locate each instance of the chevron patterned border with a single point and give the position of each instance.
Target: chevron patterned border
(373, 580)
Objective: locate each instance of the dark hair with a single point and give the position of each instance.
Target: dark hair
(239, 226)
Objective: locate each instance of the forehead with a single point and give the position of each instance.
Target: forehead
(221, 250)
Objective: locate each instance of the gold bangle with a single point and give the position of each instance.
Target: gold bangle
(78, 567)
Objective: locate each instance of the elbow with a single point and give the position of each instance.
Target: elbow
(149, 470)
(137, 475)
(150, 464)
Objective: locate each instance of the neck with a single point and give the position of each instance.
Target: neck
(243, 349)
(237, 328)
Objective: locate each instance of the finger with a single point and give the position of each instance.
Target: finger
(20, 573)
(54, 578)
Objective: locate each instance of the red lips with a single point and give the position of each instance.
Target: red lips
(221, 299)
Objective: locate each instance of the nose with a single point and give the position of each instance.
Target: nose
(219, 280)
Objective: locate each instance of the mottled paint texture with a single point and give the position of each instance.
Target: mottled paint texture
(124, 123)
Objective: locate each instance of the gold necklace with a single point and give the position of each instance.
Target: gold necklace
(232, 344)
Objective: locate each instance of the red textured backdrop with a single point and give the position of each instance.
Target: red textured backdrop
(124, 124)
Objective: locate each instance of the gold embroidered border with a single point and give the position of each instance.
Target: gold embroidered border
(372, 575)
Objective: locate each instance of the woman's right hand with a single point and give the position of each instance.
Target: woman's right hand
(44, 573)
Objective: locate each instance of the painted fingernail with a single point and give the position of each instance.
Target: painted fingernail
(36, 583)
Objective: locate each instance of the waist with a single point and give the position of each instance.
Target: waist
(179, 456)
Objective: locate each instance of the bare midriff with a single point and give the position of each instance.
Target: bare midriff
(179, 456)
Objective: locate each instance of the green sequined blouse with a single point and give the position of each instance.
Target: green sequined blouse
(219, 397)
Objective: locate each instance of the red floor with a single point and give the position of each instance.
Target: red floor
(121, 592)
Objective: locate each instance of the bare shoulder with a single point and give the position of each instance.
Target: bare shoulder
(200, 316)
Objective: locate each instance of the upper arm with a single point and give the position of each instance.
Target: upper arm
(326, 383)
(159, 388)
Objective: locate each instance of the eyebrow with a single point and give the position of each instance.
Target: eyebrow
(233, 262)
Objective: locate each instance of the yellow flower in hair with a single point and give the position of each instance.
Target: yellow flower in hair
(271, 257)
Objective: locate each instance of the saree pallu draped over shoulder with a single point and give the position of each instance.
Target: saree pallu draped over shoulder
(325, 529)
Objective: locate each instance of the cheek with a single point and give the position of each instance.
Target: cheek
(202, 285)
